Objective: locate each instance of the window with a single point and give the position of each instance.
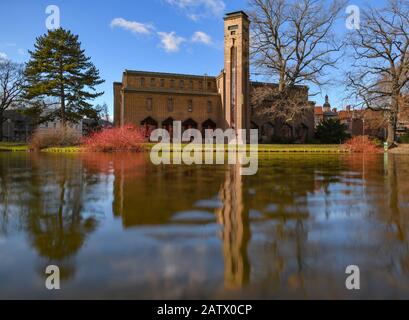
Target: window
(182, 84)
(172, 83)
(162, 82)
(142, 82)
(201, 85)
(153, 82)
(190, 105)
(209, 85)
(170, 104)
(209, 107)
(149, 104)
(235, 27)
(191, 84)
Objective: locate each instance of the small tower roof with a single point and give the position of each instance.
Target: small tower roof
(236, 13)
(327, 104)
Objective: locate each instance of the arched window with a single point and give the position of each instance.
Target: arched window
(209, 124)
(168, 125)
(189, 124)
(149, 124)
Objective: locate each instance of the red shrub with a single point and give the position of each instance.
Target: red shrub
(126, 138)
(361, 144)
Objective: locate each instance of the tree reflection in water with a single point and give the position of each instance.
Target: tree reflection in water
(48, 206)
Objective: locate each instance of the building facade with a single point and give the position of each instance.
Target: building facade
(17, 127)
(154, 100)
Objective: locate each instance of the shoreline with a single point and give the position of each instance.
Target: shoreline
(262, 149)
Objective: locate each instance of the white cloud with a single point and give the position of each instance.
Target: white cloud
(3, 56)
(202, 37)
(21, 52)
(8, 44)
(170, 41)
(133, 26)
(196, 9)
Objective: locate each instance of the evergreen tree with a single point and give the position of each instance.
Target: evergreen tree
(332, 131)
(58, 68)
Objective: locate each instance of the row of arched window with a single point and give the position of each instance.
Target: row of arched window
(151, 124)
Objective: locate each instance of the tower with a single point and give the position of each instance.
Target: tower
(327, 105)
(236, 68)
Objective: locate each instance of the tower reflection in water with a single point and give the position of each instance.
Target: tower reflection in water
(235, 233)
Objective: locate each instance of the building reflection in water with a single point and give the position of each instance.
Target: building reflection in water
(235, 233)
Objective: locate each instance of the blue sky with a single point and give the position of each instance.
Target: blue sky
(181, 36)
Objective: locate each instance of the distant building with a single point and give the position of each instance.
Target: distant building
(403, 117)
(17, 127)
(90, 125)
(57, 124)
(352, 120)
(324, 113)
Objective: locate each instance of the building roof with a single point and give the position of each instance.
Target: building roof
(344, 114)
(151, 73)
(16, 115)
(236, 13)
(327, 105)
(318, 111)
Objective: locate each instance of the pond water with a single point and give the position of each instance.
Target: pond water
(120, 227)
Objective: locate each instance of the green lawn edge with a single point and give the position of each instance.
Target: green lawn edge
(262, 148)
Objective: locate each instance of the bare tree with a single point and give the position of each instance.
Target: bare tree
(380, 73)
(293, 43)
(11, 81)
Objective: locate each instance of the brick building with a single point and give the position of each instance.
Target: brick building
(155, 100)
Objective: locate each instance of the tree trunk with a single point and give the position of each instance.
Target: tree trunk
(393, 119)
(62, 95)
(1, 125)
(391, 133)
(62, 107)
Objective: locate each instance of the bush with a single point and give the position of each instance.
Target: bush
(362, 144)
(62, 137)
(404, 138)
(126, 138)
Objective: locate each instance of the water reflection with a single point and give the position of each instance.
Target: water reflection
(119, 226)
(235, 234)
(45, 201)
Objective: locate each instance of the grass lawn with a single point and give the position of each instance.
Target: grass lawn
(13, 146)
(262, 148)
(281, 148)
